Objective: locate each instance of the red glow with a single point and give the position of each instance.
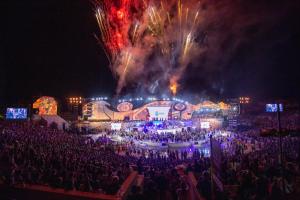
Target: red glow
(120, 14)
(119, 40)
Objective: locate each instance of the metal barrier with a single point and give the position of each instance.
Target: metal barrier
(48, 193)
(194, 193)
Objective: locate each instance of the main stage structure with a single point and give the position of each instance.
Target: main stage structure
(102, 110)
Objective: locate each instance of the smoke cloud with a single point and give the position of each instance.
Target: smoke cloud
(172, 43)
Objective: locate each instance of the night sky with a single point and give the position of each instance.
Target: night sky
(47, 47)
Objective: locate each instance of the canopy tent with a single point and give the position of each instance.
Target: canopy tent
(61, 123)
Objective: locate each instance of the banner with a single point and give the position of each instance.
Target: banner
(216, 163)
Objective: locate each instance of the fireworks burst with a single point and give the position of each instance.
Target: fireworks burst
(173, 87)
(132, 31)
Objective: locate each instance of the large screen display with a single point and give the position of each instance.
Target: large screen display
(16, 113)
(46, 105)
(273, 107)
(116, 126)
(125, 106)
(158, 112)
(179, 106)
(205, 125)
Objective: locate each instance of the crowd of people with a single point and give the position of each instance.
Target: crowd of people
(31, 154)
(289, 121)
(40, 155)
(179, 136)
(254, 163)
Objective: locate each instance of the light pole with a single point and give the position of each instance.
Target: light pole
(280, 146)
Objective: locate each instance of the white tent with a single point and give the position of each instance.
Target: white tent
(61, 123)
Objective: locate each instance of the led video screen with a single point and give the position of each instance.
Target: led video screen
(158, 112)
(46, 106)
(273, 107)
(16, 113)
(204, 125)
(116, 126)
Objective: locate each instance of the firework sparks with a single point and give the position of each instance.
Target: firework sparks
(132, 30)
(127, 62)
(173, 87)
(119, 24)
(162, 26)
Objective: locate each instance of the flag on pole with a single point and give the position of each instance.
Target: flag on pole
(216, 163)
